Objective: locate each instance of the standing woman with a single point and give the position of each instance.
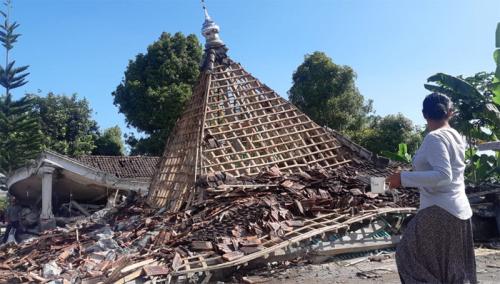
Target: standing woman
(437, 245)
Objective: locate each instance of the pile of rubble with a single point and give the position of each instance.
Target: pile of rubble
(231, 218)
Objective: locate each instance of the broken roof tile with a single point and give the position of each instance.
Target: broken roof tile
(122, 166)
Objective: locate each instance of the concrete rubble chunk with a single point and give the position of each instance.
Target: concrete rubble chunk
(51, 270)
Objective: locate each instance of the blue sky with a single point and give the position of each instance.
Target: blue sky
(83, 46)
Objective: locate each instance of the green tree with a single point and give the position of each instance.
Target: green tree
(150, 145)
(156, 87)
(327, 93)
(67, 124)
(20, 136)
(110, 143)
(10, 77)
(386, 133)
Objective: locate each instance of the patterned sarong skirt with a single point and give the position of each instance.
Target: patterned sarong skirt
(437, 247)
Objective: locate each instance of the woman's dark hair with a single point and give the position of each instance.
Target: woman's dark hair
(436, 106)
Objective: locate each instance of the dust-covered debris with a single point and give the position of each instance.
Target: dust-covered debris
(234, 217)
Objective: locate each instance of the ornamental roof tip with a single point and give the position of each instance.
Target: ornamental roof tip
(210, 30)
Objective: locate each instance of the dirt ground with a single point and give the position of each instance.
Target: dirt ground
(361, 270)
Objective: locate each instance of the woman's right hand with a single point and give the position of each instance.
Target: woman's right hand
(394, 180)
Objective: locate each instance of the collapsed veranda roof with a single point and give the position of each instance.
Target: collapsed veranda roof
(84, 177)
(236, 124)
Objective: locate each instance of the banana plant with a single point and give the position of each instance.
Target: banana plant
(401, 155)
(483, 168)
(495, 88)
(477, 116)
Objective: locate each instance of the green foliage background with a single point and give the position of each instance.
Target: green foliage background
(20, 133)
(327, 93)
(67, 124)
(386, 133)
(156, 87)
(33, 123)
(110, 143)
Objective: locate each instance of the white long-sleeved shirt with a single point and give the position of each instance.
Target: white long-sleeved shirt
(438, 171)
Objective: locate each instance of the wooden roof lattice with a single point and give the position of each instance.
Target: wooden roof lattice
(237, 125)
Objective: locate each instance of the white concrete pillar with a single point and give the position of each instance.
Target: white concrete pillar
(46, 213)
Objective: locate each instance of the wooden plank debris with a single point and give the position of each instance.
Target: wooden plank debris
(254, 279)
(137, 265)
(156, 270)
(80, 208)
(201, 245)
(232, 255)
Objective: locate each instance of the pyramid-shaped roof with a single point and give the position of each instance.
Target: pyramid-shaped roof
(236, 124)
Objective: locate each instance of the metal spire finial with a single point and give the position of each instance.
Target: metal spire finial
(207, 16)
(210, 30)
